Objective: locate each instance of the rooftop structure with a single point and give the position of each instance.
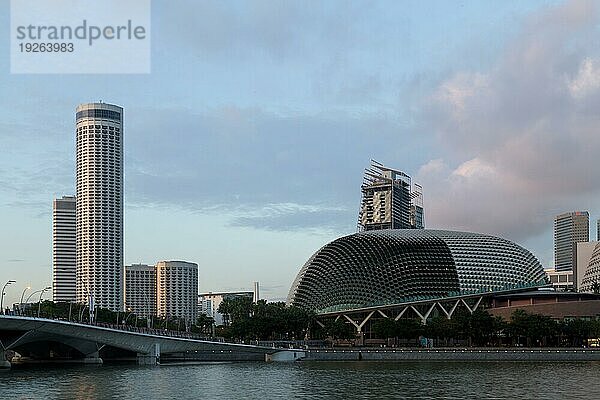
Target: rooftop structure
(389, 200)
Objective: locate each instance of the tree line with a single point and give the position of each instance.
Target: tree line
(482, 329)
(276, 321)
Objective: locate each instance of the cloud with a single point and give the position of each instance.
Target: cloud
(263, 169)
(587, 80)
(519, 141)
(277, 30)
(293, 217)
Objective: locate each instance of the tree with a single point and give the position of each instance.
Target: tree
(204, 323)
(235, 308)
(339, 330)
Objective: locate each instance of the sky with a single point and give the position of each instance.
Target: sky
(245, 145)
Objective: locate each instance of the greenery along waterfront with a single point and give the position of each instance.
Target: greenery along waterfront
(245, 320)
(275, 321)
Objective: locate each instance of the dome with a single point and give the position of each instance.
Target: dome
(391, 266)
(592, 273)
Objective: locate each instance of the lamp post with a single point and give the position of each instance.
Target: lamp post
(148, 314)
(81, 312)
(127, 316)
(40, 300)
(2, 297)
(21, 302)
(29, 297)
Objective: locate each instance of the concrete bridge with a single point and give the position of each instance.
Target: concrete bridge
(52, 340)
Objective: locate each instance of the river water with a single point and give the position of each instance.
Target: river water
(309, 380)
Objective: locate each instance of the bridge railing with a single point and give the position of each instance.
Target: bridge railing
(158, 332)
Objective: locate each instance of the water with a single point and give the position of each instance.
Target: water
(309, 380)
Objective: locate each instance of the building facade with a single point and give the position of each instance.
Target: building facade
(177, 290)
(562, 281)
(400, 265)
(140, 289)
(569, 229)
(583, 254)
(99, 211)
(591, 279)
(63, 249)
(389, 201)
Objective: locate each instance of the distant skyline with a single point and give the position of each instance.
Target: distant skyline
(245, 146)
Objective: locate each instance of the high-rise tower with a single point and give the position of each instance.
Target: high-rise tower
(99, 216)
(63, 249)
(569, 229)
(389, 200)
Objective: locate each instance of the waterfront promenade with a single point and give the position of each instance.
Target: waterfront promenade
(454, 354)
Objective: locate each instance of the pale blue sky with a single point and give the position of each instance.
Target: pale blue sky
(244, 148)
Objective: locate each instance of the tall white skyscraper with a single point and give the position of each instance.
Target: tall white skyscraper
(99, 187)
(63, 249)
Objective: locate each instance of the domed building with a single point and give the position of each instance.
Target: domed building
(591, 279)
(383, 267)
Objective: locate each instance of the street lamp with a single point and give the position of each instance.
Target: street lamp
(2, 297)
(40, 301)
(29, 297)
(127, 316)
(21, 302)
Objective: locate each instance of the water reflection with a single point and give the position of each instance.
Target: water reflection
(317, 380)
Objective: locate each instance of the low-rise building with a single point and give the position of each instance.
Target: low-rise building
(561, 280)
(209, 303)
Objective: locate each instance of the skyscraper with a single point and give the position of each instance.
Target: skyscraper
(63, 249)
(569, 229)
(99, 216)
(389, 201)
(177, 290)
(140, 289)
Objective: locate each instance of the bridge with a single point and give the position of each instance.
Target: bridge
(47, 340)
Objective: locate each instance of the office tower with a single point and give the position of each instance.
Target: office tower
(389, 200)
(569, 229)
(99, 185)
(140, 289)
(177, 290)
(63, 249)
